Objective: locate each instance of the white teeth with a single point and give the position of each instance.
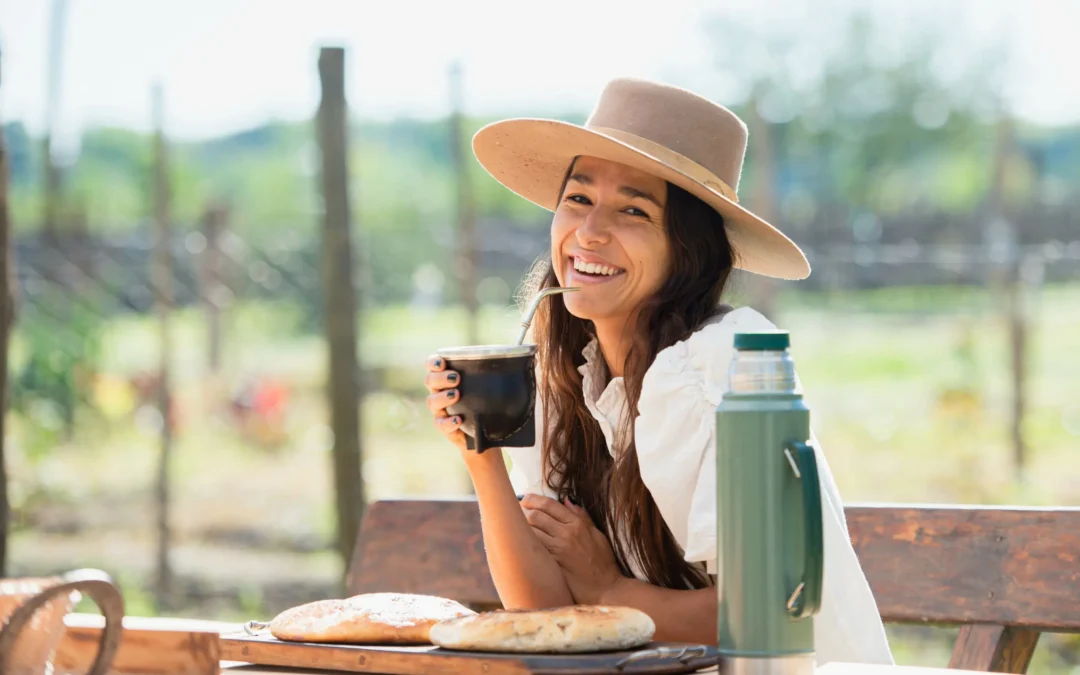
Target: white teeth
(593, 268)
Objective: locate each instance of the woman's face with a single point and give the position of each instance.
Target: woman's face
(608, 238)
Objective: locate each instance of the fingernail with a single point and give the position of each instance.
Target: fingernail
(438, 363)
(457, 419)
(451, 394)
(451, 378)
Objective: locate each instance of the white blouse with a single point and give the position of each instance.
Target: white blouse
(675, 434)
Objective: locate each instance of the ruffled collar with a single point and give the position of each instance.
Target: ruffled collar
(605, 400)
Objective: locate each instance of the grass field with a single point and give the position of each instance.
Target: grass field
(909, 392)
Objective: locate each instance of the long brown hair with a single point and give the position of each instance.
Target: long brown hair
(575, 456)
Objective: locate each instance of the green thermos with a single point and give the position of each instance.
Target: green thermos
(768, 523)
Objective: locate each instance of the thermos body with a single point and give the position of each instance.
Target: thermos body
(769, 536)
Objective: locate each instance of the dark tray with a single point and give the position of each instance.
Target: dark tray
(655, 657)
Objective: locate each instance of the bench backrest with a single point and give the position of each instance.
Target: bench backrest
(1004, 574)
(428, 547)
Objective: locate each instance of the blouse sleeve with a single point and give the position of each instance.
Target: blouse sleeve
(675, 435)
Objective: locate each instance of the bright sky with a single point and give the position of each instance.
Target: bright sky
(230, 64)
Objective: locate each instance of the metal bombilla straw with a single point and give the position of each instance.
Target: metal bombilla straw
(536, 304)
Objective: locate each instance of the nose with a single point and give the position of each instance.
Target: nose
(595, 229)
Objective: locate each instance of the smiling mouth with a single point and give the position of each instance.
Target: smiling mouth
(595, 270)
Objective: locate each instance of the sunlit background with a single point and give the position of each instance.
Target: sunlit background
(924, 154)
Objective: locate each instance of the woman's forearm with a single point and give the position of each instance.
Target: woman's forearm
(680, 616)
(525, 574)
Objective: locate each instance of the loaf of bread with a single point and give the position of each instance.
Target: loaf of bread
(370, 618)
(561, 630)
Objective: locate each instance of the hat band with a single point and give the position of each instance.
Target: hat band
(680, 163)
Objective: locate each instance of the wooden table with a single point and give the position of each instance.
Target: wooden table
(168, 633)
(829, 669)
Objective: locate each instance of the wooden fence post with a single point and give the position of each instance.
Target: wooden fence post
(51, 199)
(162, 283)
(215, 220)
(340, 308)
(7, 318)
(1006, 284)
(466, 263)
(762, 289)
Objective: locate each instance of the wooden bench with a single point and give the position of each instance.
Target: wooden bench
(1003, 574)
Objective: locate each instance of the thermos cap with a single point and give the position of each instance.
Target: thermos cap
(762, 364)
(773, 341)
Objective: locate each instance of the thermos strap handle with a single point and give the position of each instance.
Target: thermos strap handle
(806, 598)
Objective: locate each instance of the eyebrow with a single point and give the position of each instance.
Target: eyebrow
(633, 192)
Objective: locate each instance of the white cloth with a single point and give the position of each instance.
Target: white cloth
(675, 433)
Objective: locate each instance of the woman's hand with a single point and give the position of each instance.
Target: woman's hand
(582, 551)
(441, 384)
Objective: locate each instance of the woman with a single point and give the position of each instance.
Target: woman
(620, 503)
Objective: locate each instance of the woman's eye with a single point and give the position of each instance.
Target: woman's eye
(636, 212)
(580, 199)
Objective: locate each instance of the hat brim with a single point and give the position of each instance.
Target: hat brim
(531, 157)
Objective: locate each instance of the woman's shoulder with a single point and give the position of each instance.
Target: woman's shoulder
(702, 359)
(725, 325)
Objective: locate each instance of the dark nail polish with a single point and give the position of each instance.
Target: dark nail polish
(451, 378)
(438, 363)
(457, 420)
(451, 394)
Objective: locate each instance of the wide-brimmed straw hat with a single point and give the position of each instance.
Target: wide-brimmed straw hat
(663, 130)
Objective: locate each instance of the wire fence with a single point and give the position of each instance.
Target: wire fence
(68, 293)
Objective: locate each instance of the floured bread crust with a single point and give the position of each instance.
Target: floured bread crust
(370, 618)
(563, 630)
